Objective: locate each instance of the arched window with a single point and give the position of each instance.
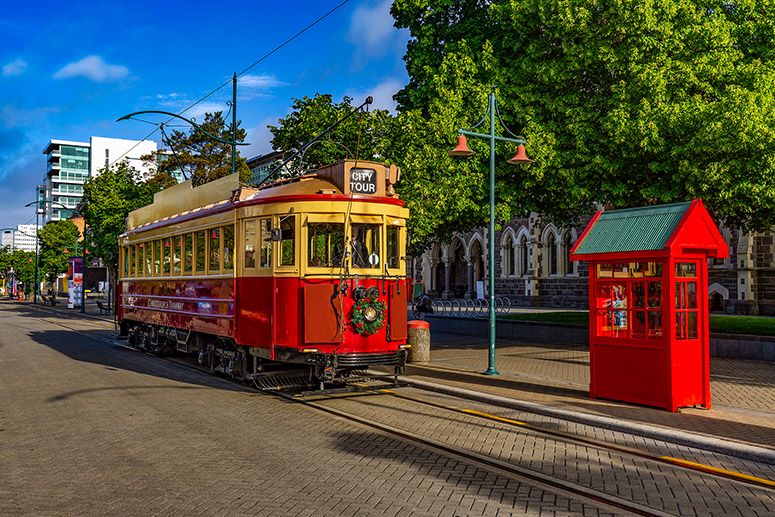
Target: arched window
(508, 256)
(566, 245)
(523, 251)
(550, 248)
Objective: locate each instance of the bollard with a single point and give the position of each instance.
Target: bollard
(419, 337)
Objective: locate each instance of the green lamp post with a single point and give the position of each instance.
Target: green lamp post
(520, 157)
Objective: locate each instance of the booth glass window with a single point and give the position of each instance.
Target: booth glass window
(288, 241)
(250, 243)
(629, 300)
(366, 245)
(686, 307)
(266, 243)
(326, 244)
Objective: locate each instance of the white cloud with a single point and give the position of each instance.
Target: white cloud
(94, 68)
(382, 94)
(17, 67)
(371, 28)
(263, 82)
(260, 139)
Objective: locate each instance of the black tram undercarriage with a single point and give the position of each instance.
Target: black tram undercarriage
(290, 368)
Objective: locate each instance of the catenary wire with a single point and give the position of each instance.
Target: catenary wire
(265, 56)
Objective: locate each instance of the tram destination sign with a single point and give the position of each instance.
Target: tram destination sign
(363, 181)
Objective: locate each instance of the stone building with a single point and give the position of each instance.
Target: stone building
(533, 268)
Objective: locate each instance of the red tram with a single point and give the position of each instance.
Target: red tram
(309, 270)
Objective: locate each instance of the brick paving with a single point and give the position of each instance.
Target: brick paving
(90, 428)
(743, 391)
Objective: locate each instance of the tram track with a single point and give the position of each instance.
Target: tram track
(494, 464)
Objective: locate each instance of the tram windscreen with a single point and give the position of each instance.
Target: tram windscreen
(326, 244)
(365, 245)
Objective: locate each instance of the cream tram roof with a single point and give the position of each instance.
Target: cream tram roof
(347, 177)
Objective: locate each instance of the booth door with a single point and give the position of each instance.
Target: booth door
(688, 360)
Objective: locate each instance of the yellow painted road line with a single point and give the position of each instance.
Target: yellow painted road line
(719, 471)
(701, 467)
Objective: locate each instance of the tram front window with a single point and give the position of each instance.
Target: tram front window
(326, 242)
(365, 245)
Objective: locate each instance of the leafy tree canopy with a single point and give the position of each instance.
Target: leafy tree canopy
(201, 158)
(622, 104)
(56, 237)
(365, 135)
(23, 264)
(107, 200)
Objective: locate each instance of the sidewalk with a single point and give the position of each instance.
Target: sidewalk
(557, 377)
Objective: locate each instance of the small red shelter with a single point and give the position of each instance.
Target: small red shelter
(649, 341)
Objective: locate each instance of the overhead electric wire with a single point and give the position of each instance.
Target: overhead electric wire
(265, 56)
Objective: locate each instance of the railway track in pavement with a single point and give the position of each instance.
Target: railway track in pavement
(619, 478)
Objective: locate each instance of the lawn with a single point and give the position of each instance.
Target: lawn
(754, 325)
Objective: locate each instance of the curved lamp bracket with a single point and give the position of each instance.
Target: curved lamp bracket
(175, 115)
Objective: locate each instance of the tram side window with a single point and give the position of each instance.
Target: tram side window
(177, 260)
(288, 241)
(131, 253)
(265, 260)
(167, 256)
(141, 259)
(147, 270)
(125, 261)
(393, 247)
(365, 245)
(188, 253)
(200, 252)
(157, 258)
(214, 265)
(326, 244)
(228, 248)
(250, 243)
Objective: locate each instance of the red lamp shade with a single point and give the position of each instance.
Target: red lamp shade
(520, 157)
(462, 147)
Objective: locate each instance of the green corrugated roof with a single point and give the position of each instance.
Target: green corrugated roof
(633, 229)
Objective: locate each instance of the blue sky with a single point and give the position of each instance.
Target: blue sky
(68, 70)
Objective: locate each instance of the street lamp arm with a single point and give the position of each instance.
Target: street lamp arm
(175, 115)
(517, 140)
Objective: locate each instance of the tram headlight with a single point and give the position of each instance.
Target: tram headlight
(370, 314)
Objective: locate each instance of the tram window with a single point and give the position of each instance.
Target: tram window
(266, 243)
(200, 251)
(188, 252)
(250, 243)
(140, 259)
(148, 270)
(393, 247)
(167, 255)
(326, 244)
(177, 258)
(157, 258)
(365, 245)
(214, 235)
(130, 269)
(288, 240)
(124, 261)
(228, 248)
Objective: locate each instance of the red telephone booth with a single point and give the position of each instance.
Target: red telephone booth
(648, 303)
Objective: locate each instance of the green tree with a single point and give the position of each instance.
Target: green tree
(198, 156)
(107, 200)
(56, 237)
(23, 264)
(366, 135)
(622, 104)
